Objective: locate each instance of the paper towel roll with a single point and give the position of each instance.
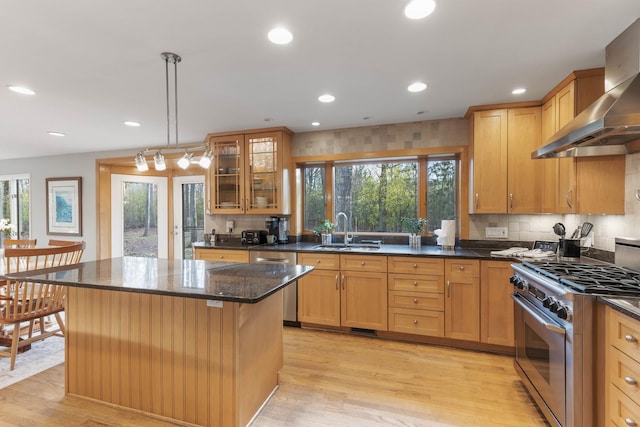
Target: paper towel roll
(449, 232)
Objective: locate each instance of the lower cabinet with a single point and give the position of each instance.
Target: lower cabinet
(344, 290)
(221, 255)
(622, 371)
(462, 299)
(496, 304)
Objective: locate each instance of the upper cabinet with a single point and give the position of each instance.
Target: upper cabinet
(503, 178)
(250, 172)
(585, 185)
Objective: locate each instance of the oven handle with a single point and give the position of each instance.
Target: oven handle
(549, 326)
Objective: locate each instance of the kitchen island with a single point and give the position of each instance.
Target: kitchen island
(192, 341)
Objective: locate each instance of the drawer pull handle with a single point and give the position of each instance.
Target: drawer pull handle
(362, 263)
(415, 300)
(415, 265)
(221, 256)
(630, 381)
(415, 283)
(415, 322)
(318, 262)
(462, 268)
(630, 422)
(630, 338)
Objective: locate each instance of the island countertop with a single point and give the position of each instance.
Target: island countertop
(244, 283)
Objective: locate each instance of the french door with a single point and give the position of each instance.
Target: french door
(139, 216)
(14, 204)
(188, 214)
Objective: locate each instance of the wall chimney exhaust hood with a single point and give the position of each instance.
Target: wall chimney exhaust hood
(611, 125)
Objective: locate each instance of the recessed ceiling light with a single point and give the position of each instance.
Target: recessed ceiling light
(268, 119)
(366, 118)
(418, 9)
(315, 124)
(53, 133)
(326, 98)
(132, 124)
(21, 90)
(417, 87)
(280, 35)
(518, 91)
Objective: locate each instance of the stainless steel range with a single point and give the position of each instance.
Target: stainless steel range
(554, 327)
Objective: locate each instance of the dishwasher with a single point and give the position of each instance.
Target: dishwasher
(290, 294)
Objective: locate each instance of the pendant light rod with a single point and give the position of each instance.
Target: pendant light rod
(174, 59)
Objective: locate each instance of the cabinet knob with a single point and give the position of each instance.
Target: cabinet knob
(221, 256)
(630, 422)
(362, 263)
(317, 261)
(415, 322)
(415, 283)
(415, 300)
(462, 268)
(630, 381)
(415, 265)
(630, 338)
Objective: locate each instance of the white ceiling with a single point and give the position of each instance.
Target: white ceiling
(96, 63)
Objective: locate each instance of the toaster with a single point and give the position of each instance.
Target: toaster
(253, 237)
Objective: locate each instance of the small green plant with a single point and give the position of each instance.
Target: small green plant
(325, 226)
(414, 225)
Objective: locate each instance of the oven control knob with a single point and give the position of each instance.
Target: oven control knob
(546, 303)
(562, 312)
(513, 279)
(518, 282)
(554, 306)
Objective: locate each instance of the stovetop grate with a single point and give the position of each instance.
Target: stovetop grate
(590, 278)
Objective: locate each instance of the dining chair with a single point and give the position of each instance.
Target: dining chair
(20, 243)
(26, 301)
(54, 242)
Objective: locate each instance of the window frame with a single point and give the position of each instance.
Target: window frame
(14, 214)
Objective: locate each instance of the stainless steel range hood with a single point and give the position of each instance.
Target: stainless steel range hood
(612, 122)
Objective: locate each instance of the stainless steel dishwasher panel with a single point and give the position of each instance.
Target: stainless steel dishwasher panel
(290, 294)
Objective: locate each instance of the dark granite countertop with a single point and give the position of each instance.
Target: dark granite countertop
(236, 282)
(626, 305)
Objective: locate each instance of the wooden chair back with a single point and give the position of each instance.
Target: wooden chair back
(23, 300)
(20, 243)
(54, 242)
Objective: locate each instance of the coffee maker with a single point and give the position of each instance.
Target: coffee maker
(277, 226)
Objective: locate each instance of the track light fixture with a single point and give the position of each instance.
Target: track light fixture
(158, 158)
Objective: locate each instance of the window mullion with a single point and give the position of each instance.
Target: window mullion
(422, 187)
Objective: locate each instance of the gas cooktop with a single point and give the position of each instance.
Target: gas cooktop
(590, 278)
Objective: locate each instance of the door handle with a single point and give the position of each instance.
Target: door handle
(510, 200)
(550, 326)
(568, 198)
(477, 199)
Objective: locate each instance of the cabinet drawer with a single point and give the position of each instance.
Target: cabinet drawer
(363, 263)
(622, 410)
(462, 269)
(223, 255)
(416, 283)
(624, 372)
(416, 265)
(320, 261)
(416, 300)
(624, 333)
(420, 322)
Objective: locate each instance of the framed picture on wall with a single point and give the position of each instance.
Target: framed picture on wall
(64, 206)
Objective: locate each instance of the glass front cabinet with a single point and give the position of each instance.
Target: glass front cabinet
(250, 172)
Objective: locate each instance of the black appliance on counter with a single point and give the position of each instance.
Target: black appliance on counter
(278, 227)
(253, 237)
(555, 328)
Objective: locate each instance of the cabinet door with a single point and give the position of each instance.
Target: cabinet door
(226, 174)
(462, 299)
(364, 300)
(496, 305)
(524, 173)
(549, 196)
(600, 184)
(566, 182)
(264, 178)
(319, 298)
(489, 162)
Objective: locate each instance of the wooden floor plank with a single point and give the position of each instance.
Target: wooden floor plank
(331, 379)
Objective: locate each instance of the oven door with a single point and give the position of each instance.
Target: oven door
(540, 354)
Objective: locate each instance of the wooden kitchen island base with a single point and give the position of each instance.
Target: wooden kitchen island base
(172, 356)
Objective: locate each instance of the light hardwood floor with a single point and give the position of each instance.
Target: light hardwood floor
(330, 379)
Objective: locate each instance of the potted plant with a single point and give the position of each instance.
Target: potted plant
(415, 227)
(324, 230)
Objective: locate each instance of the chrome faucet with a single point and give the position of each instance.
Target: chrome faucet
(346, 226)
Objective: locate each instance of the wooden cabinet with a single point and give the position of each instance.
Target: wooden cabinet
(250, 172)
(416, 295)
(585, 185)
(501, 144)
(221, 255)
(622, 372)
(319, 291)
(496, 305)
(462, 299)
(344, 290)
(364, 291)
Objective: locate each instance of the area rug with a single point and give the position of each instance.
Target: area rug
(42, 356)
